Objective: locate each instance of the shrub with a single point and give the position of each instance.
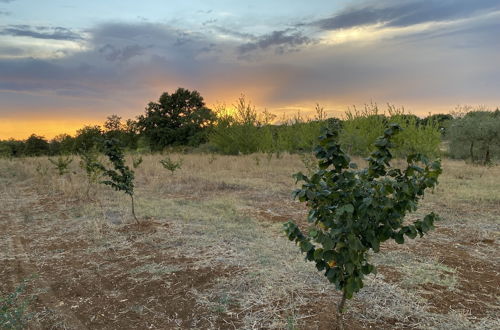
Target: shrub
(353, 211)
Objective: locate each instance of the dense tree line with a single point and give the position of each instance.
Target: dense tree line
(183, 119)
(180, 118)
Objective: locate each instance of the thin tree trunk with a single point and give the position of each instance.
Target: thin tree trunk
(133, 209)
(340, 311)
(487, 158)
(471, 151)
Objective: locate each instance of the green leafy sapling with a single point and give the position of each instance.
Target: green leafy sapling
(61, 164)
(170, 164)
(353, 211)
(121, 178)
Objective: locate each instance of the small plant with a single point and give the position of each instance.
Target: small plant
(353, 211)
(61, 164)
(89, 162)
(13, 308)
(136, 161)
(41, 170)
(170, 164)
(121, 178)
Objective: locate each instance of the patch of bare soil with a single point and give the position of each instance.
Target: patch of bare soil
(80, 284)
(479, 282)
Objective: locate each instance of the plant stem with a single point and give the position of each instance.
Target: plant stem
(340, 311)
(342, 303)
(133, 210)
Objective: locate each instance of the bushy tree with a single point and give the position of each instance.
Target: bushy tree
(353, 211)
(180, 118)
(36, 145)
(475, 135)
(62, 144)
(88, 138)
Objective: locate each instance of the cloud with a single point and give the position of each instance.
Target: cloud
(5, 13)
(282, 42)
(124, 65)
(7, 1)
(405, 13)
(40, 32)
(112, 53)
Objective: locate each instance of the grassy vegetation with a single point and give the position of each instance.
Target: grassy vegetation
(210, 251)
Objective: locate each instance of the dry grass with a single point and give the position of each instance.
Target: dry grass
(216, 240)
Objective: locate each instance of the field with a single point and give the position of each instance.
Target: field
(210, 251)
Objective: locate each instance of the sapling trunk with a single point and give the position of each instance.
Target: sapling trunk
(342, 303)
(133, 209)
(340, 311)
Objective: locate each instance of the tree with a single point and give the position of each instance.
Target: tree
(353, 211)
(475, 135)
(121, 178)
(180, 118)
(88, 137)
(36, 145)
(62, 144)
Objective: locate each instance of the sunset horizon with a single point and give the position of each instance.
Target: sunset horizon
(66, 65)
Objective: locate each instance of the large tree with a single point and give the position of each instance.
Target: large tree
(180, 118)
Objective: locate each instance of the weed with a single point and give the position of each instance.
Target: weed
(13, 308)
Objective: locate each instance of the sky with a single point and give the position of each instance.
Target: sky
(65, 64)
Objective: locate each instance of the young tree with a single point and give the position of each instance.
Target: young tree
(180, 118)
(121, 178)
(353, 211)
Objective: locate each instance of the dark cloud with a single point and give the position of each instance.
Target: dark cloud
(112, 53)
(406, 13)
(281, 41)
(4, 13)
(40, 32)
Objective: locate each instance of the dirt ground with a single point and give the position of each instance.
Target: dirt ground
(210, 253)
